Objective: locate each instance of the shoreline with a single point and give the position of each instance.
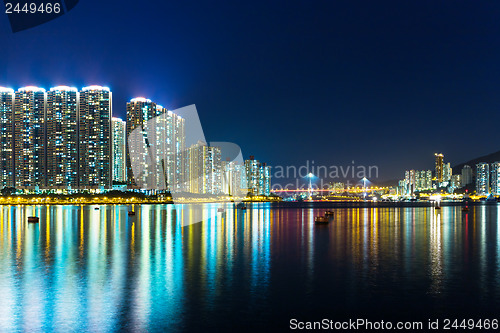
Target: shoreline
(275, 204)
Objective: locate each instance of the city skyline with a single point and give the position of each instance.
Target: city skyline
(67, 139)
(482, 179)
(367, 76)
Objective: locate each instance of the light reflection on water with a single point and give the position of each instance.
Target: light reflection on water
(83, 268)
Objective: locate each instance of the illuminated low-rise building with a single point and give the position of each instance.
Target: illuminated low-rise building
(337, 187)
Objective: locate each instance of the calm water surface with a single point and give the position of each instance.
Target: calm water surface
(101, 270)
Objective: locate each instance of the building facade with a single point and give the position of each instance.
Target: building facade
(95, 138)
(466, 175)
(447, 172)
(6, 137)
(482, 179)
(439, 167)
(495, 178)
(258, 177)
(118, 152)
(62, 138)
(204, 169)
(163, 134)
(29, 138)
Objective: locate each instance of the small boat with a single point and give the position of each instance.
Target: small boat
(220, 210)
(33, 219)
(329, 213)
(321, 220)
(131, 213)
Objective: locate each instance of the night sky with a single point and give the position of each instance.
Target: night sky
(381, 83)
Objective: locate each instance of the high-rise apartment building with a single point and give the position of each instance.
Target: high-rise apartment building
(6, 137)
(62, 138)
(170, 147)
(466, 178)
(95, 138)
(29, 138)
(258, 177)
(139, 111)
(416, 180)
(495, 178)
(162, 132)
(234, 178)
(253, 175)
(447, 172)
(118, 151)
(439, 167)
(204, 169)
(428, 179)
(265, 179)
(482, 179)
(456, 181)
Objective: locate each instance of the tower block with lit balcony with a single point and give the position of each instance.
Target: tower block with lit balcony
(163, 131)
(95, 138)
(62, 138)
(439, 167)
(29, 138)
(6, 137)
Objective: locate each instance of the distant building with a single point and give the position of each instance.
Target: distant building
(258, 177)
(118, 151)
(455, 182)
(466, 175)
(29, 138)
(337, 187)
(439, 167)
(6, 137)
(163, 133)
(495, 178)
(265, 175)
(402, 187)
(233, 178)
(482, 179)
(447, 172)
(417, 180)
(253, 176)
(428, 179)
(139, 111)
(62, 138)
(204, 165)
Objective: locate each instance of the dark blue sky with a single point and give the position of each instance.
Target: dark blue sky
(381, 83)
